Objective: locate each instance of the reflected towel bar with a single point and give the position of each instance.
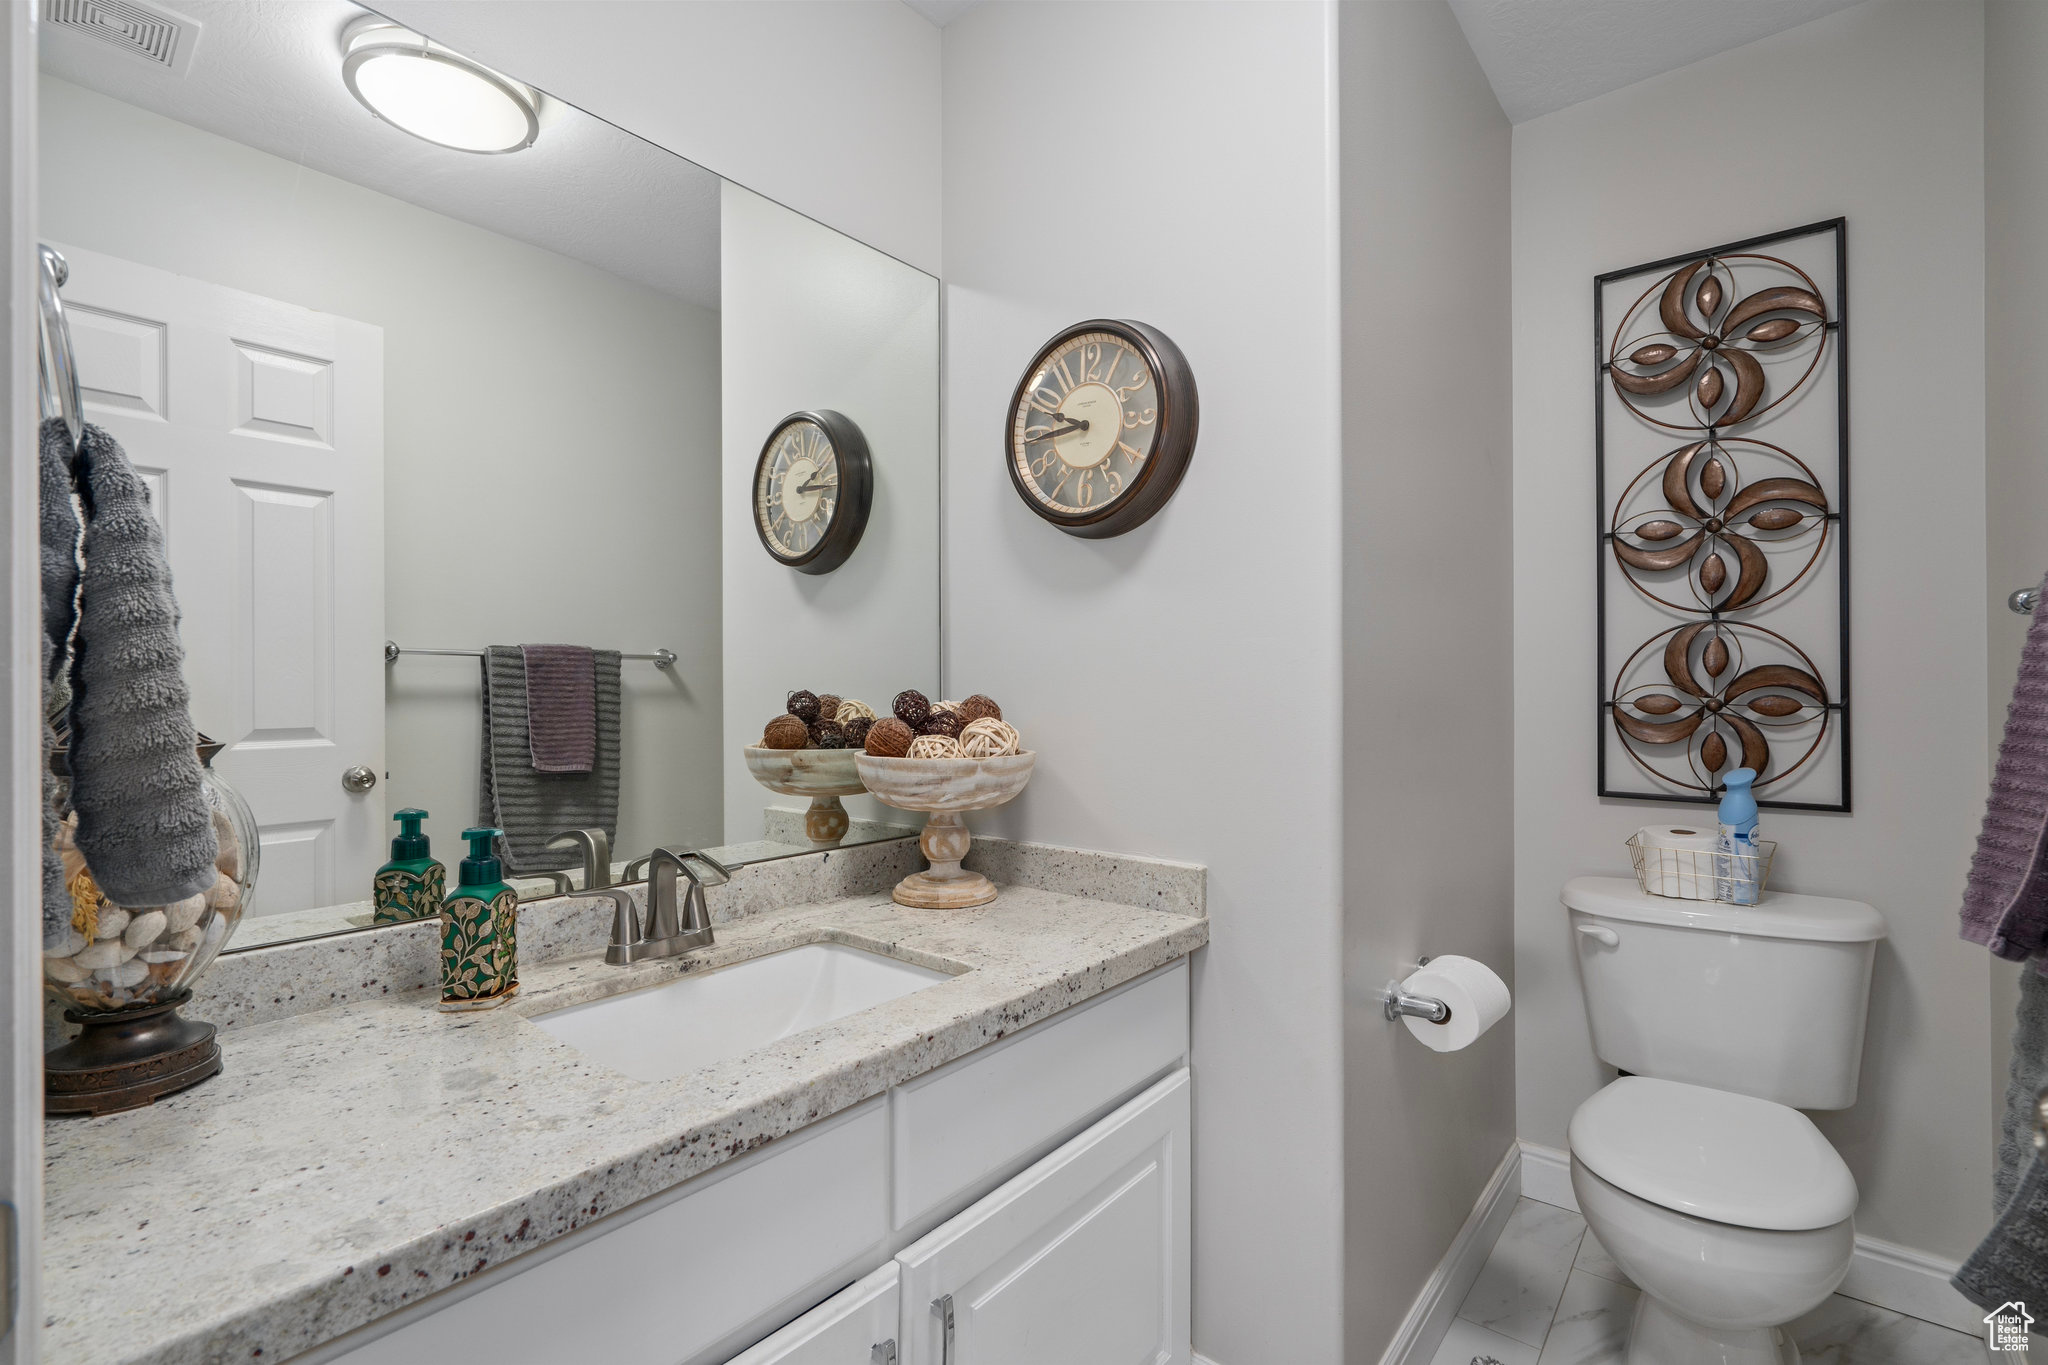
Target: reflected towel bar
(2024, 601)
(661, 658)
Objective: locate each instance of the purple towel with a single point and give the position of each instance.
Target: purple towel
(2005, 906)
(561, 707)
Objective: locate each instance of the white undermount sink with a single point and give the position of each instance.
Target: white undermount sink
(694, 1021)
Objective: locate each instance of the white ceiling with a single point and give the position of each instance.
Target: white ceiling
(267, 73)
(1541, 55)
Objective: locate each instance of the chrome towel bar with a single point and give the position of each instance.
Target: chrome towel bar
(2024, 601)
(661, 658)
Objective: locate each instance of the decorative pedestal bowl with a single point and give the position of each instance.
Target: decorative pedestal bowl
(944, 787)
(824, 775)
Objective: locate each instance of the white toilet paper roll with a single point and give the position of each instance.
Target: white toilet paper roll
(1478, 1000)
(1678, 860)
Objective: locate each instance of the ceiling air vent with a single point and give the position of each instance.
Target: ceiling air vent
(145, 31)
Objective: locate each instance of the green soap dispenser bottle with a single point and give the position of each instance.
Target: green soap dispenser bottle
(411, 886)
(479, 932)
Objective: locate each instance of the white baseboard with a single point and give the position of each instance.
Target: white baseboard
(1900, 1278)
(1429, 1317)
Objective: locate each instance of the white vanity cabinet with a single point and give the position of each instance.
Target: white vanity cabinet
(856, 1326)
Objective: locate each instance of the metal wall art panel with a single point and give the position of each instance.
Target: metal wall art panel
(1721, 440)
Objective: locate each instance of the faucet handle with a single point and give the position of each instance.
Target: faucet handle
(562, 885)
(596, 846)
(625, 925)
(720, 873)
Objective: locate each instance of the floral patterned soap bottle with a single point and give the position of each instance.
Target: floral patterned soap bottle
(411, 886)
(479, 932)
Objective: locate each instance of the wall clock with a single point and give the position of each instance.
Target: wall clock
(812, 487)
(1102, 426)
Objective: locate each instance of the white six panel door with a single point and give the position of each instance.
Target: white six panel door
(259, 427)
(1082, 1259)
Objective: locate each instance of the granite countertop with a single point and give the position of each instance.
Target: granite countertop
(355, 1159)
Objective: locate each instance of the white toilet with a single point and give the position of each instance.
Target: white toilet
(1695, 1168)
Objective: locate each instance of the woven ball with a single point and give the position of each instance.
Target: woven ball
(934, 746)
(947, 723)
(857, 731)
(849, 709)
(786, 732)
(988, 738)
(911, 708)
(804, 705)
(889, 738)
(828, 706)
(978, 707)
(827, 734)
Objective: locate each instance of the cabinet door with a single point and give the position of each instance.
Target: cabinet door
(1082, 1259)
(856, 1326)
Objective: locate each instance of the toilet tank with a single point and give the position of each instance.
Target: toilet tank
(1766, 1000)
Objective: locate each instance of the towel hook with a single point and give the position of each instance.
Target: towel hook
(58, 371)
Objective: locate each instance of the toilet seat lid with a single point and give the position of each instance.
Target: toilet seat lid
(1716, 1155)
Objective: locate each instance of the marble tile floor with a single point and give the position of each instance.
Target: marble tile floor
(1549, 1295)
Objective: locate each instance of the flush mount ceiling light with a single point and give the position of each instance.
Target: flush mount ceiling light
(438, 96)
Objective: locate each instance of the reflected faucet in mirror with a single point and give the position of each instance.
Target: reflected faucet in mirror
(670, 928)
(597, 854)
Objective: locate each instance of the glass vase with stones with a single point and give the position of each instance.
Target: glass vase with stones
(122, 971)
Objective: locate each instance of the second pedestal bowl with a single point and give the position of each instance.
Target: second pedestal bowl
(824, 775)
(944, 787)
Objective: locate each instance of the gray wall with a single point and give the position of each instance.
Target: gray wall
(551, 439)
(1428, 745)
(1180, 683)
(1876, 113)
(2016, 401)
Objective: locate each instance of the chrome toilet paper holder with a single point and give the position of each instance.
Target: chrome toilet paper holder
(1395, 1002)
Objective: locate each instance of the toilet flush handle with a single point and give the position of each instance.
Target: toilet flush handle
(1599, 933)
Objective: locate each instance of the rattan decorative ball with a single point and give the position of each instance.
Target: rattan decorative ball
(786, 732)
(988, 738)
(851, 710)
(979, 707)
(889, 738)
(828, 706)
(947, 723)
(911, 708)
(828, 734)
(857, 730)
(804, 705)
(934, 746)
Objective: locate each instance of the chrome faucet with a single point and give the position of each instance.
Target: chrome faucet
(669, 928)
(597, 854)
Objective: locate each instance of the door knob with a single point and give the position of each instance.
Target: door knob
(358, 780)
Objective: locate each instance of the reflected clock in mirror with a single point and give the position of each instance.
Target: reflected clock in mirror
(1102, 427)
(812, 488)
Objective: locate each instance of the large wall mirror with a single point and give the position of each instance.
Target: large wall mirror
(409, 411)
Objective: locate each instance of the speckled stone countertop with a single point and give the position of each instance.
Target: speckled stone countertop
(357, 1158)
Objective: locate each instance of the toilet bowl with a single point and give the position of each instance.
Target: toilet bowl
(1731, 1213)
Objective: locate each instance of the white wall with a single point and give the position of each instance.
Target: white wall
(526, 395)
(828, 106)
(1428, 817)
(813, 319)
(2016, 402)
(1180, 683)
(1874, 113)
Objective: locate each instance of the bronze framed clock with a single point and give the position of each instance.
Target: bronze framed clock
(813, 485)
(1102, 427)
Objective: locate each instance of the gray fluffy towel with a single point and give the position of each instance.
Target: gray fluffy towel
(60, 609)
(2012, 1261)
(2029, 1074)
(144, 824)
(533, 807)
(2005, 904)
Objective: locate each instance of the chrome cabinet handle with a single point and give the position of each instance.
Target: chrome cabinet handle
(1599, 933)
(942, 1309)
(884, 1353)
(357, 780)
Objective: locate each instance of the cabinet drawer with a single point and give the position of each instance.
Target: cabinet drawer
(971, 1117)
(669, 1283)
(856, 1326)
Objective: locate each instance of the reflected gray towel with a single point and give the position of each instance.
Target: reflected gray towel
(561, 707)
(144, 824)
(2005, 904)
(2012, 1262)
(2028, 1075)
(59, 533)
(533, 807)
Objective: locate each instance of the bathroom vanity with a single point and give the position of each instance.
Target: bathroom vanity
(376, 1181)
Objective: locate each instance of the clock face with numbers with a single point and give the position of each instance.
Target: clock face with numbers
(812, 487)
(1102, 427)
